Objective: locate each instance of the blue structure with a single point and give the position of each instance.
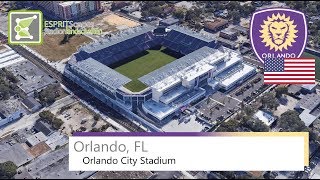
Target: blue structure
(170, 87)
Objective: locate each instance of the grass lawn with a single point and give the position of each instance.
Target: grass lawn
(143, 65)
(305, 54)
(54, 51)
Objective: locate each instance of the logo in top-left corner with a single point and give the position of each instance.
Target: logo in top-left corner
(25, 27)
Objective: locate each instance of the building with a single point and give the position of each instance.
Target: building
(43, 127)
(169, 21)
(10, 111)
(310, 106)
(17, 154)
(31, 104)
(308, 88)
(118, 5)
(31, 78)
(228, 43)
(130, 8)
(170, 87)
(241, 30)
(229, 34)
(68, 10)
(36, 139)
(215, 25)
(266, 117)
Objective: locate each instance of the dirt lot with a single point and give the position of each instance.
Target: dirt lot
(54, 51)
(74, 116)
(116, 20)
(112, 22)
(288, 104)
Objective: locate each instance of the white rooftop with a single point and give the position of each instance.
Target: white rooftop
(190, 67)
(265, 117)
(229, 77)
(307, 118)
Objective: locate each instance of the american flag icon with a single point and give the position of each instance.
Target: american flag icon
(289, 71)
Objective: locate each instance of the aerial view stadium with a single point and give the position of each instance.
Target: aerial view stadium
(149, 73)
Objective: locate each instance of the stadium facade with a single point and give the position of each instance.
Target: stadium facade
(169, 88)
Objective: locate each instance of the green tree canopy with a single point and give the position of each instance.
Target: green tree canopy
(229, 126)
(7, 170)
(281, 90)
(269, 101)
(290, 121)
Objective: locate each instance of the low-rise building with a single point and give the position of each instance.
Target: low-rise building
(169, 21)
(310, 106)
(31, 104)
(35, 139)
(43, 127)
(215, 25)
(10, 111)
(229, 34)
(266, 117)
(130, 8)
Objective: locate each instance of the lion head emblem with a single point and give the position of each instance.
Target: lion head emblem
(278, 32)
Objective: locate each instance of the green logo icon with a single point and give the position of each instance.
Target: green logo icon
(25, 27)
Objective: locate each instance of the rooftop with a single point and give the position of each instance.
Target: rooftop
(117, 38)
(307, 117)
(170, 20)
(236, 73)
(36, 138)
(7, 107)
(43, 127)
(309, 101)
(30, 102)
(100, 73)
(189, 32)
(216, 23)
(265, 117)
(30, 77)
(17, 154)
(181, 64)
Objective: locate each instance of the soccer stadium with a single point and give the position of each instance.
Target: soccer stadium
(149, 74)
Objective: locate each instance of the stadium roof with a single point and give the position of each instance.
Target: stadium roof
(101, 74)
(191, 33)
(117, 38)
(177, 66)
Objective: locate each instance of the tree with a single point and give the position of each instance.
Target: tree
(290, 121)
(229, 126)
(104, 127)
(259, 126)
(280, 90)
(4, 92)
(235, 15)
(94, 130)
(96, 117)
(268, 100)
(179, 13)
(48, 95)
(57, 123)
(48, 117)
(7, 170)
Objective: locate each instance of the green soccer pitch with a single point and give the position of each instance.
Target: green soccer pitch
(308, 55)
(138, 67)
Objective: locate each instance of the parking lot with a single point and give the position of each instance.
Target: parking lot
(78, 117)
(250, 89)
